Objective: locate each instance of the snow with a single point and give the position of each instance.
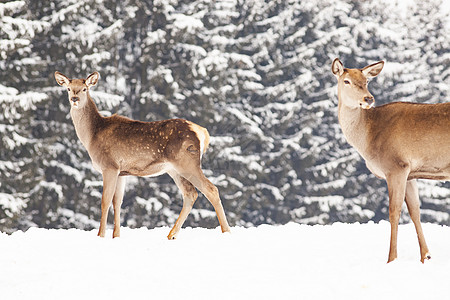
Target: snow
(152, 203)
(189, 23)
(12, 6)
(75, 173)
(154, 37)
(339, 261)
(61, 14)
(10, 204)
(106, 99)
(25, 100)
(255, 73)
(273, 189)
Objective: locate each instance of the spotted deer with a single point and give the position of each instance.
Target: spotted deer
(119, 146)
(399, 141)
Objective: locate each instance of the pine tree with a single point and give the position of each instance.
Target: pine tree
(19, 171)
(255, 73)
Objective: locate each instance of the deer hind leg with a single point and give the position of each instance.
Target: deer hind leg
(413, 204)
(117, 203)
(198, 179)
(396, 187)
(109, 187)
(189, 197)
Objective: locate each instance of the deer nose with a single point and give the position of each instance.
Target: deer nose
(369, 100)
(75, 99)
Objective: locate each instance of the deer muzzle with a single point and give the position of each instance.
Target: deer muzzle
(75, 101)
(368, 102)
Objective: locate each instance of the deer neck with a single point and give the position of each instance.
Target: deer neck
(354, 125)
(86, 120)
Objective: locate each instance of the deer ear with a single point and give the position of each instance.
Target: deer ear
(92, 79)
(373, 69)
(337, 68)
(61, 79)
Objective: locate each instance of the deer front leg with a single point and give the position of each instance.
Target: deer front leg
(109, 186)
(396, 186)
(413, 204)
(117, 203)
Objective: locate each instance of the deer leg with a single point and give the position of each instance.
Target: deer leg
(117, 203)
(198, 179)
(109, 186)
(413, 204)
(189, 197)
(396, 186)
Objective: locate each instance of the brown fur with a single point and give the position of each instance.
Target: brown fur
(400, 142)
(410, 129)
(119, 146)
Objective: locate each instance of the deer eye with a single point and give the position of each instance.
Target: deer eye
(68, 89)
(346, 82)
(84, 90)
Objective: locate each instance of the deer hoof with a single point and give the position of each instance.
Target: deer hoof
(426, 257)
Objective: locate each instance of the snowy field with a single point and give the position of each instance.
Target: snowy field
(341, 261)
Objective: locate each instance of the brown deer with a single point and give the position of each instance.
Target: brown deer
(119, 146)
(400, 142)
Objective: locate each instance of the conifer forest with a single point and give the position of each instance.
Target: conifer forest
(255, 73)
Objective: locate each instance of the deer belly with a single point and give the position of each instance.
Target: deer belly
(152, 170)
(163, 171)
(431, 172)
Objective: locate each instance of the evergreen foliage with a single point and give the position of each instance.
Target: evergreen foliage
(255, 73)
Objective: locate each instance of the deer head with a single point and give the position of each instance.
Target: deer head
(352, 84)
(78, 89)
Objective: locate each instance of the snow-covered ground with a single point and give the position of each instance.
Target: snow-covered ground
(341, 261)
